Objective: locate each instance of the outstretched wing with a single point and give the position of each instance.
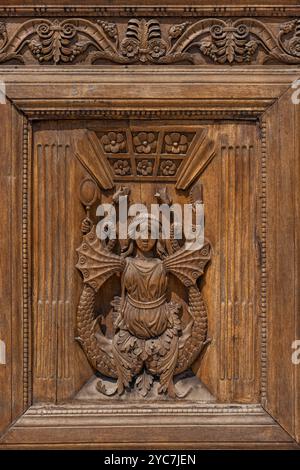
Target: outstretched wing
(95, 262)
(188, 265)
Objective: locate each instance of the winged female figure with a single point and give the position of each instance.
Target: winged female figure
(149, 340)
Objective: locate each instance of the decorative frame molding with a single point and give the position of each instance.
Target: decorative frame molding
(284, 9)
(26, 237)
(245, 426)
(263, 259)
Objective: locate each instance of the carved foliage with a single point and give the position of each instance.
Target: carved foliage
(143, 41)
(146, 41)
(56, 41)
(229, 44)
(291, 31)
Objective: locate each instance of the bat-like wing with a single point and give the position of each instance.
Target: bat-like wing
(95, 262)
(188, 264)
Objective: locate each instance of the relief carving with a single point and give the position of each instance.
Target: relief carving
(245, 40)
(229, 43)
(149, 340)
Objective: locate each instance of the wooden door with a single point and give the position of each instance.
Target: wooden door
(192, 108)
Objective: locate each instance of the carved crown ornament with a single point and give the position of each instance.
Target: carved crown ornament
(147, 41)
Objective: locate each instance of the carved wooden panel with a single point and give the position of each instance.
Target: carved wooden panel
(227, 159)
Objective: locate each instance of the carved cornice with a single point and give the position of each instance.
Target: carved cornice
(34, 113)
(147, 41)
(151, 11)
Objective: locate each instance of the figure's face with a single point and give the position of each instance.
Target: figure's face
(146, 244)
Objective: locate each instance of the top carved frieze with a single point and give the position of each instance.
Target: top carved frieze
(147, 41)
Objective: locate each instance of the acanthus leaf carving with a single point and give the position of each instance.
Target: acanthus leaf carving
(147, 42)
(55, 42)
(234, 42)
(229, 44)
(143, 41)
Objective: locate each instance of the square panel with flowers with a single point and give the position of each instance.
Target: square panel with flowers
(145, 166)
(145, 142)
(176, 143)
(120, 166)
(147, 152)
(114, 142)
(168, 167)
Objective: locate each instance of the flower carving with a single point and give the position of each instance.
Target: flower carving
(168, 168)
(145, 142)
(176, 143)
(121, 167)
(113, 142)
(157, 49)
(145, 167)
(130, 48)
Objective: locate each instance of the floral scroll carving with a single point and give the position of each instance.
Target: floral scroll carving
(55, 42)
(244, 40)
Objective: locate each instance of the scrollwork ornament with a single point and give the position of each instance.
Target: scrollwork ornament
(55, 42)
(244, 40)
(229, 44)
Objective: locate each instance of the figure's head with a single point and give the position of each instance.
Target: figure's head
(145, 231)
(146, 244)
